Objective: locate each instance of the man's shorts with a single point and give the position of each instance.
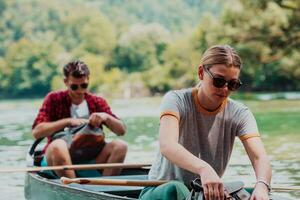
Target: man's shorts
(79, 173)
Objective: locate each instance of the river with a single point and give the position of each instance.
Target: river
(141, 117)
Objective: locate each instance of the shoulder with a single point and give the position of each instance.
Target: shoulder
(238, 111)
(179, 94)
(236, 106)
(94, 97)
(57, 95)
(95, 100)
(176, 102)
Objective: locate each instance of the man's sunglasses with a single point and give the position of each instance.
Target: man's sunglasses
(75, 86)
(218, 82)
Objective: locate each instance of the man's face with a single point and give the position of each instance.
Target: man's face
(77, 87)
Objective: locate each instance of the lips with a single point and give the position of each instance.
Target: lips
(222, 95)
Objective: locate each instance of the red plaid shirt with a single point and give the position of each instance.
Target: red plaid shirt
(57, 105)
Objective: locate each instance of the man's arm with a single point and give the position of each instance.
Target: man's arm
(177, 154)
(114, 124)
(261, 165)
(45, 129)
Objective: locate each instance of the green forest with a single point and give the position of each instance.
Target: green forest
(147, 47)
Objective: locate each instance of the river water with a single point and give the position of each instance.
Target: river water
(142, 122)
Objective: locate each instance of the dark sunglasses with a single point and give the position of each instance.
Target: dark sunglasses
(218, 82)
(75, 86)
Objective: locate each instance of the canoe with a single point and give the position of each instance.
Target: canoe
(39, 187)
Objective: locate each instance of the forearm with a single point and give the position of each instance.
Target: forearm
(176, 153)
(262, 168)
(259, 158)
(45, 129)
(115, 125)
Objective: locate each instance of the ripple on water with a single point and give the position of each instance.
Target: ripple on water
(12, 157)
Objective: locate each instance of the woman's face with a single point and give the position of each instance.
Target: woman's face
(216, 94)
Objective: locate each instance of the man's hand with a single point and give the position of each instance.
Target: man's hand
(212, 184)
(77, 122)
(260, 192)
(96, 119)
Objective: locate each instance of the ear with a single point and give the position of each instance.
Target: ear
(66, 81)
(200, 72)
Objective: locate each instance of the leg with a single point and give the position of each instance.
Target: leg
(170, 190)
(113, 152)
(58, 154)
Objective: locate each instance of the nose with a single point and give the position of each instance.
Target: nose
(225, 88)
(80, 91)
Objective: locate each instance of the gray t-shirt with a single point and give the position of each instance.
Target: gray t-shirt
(207, 135)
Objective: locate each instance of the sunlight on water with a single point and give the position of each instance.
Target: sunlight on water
(141, 118)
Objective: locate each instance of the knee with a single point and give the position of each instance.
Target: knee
(120, 147)
(175, 188)
(57, 148)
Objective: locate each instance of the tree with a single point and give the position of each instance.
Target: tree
(26, 73)
(141, 47)
(268, 31)
(265, 33)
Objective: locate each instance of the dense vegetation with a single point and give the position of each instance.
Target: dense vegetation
(145, 47)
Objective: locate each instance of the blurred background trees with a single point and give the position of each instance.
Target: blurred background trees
(138, 48)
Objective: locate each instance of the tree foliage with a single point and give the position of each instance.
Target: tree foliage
(145, 47)
(141, 47)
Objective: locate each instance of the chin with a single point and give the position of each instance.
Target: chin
(77, 96)
(221, 97)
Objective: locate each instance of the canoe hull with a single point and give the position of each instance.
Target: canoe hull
(38, 188)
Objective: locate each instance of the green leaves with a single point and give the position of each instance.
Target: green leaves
(146, 47)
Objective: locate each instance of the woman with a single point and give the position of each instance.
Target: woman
(198, 127)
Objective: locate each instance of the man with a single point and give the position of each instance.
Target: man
(198, 127)
(73, 107)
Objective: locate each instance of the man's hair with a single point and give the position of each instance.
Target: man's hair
(77, 69)
(221, 54)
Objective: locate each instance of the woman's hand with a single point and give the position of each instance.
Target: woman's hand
(212, 184)
(260, 192)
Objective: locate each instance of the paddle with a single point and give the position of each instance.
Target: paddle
(286, 189)
(281, 189)
(122, 182)
(77, 167)
(119, 182)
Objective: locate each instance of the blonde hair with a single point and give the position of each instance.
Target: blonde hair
(221, 54)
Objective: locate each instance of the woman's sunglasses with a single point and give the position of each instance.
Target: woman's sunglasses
(75, 86)
(218, 82)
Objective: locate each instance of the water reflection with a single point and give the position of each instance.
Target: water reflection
(142, 124)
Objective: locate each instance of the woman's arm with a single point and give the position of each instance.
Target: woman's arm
(261, 165)
(177, 154)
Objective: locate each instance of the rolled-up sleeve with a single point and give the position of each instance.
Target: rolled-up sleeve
(247, 126)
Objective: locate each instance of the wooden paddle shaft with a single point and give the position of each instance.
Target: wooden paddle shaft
(281, 188)
(119, 182)
(122, 182)
(286, 189)
(77, 167)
